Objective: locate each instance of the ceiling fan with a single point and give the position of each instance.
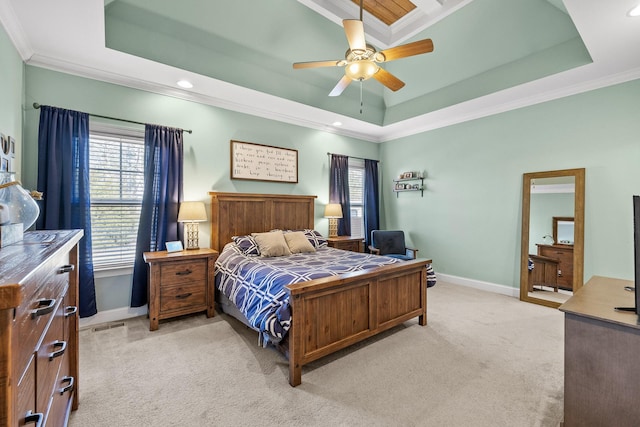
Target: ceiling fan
(361, 59)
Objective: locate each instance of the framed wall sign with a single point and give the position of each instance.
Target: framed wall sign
(263, 162)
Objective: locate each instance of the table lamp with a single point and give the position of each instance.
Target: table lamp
(191, 213)
(333, 211)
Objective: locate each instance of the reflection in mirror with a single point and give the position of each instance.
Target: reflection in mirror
(552, 236)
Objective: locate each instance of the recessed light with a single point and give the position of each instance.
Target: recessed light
(635, 11)
(185, 84)
(337, 123)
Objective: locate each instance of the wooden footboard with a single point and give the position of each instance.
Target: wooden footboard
(334, 312)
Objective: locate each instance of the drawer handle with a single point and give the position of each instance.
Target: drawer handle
(183, 296)
(58, 353)
(45, 306)
(184, 273)
(66, 268)
(31, 417)
(70, 311)
(69, 380)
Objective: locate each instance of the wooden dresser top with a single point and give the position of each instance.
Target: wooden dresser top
(598, 298)
(20, 259)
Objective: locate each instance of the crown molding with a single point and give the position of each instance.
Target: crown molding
(15, 31)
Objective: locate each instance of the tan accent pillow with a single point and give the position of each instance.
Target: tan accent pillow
(298, 242)
(271, 244)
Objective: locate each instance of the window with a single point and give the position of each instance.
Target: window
(356, 194)
(116, 168)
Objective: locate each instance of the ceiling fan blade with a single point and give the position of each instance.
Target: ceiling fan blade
(409, 49)
(341, 86)
(315, 64)
(354, 29)
(388, 79)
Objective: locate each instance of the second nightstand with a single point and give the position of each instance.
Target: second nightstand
(347, 243)
(180, 283)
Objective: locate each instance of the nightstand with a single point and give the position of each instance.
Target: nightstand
(347, 243)
(180, 283)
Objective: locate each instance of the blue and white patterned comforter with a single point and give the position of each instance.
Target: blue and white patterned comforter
(256, 285)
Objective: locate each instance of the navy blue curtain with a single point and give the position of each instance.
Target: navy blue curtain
(63, 176)
(371, 199)
(163, 155)
(339, 191)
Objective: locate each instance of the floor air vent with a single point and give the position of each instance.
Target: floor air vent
(106, 326)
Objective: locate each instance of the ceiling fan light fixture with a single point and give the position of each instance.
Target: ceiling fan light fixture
(361, 70)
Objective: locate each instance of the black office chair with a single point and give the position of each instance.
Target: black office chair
(391, 244)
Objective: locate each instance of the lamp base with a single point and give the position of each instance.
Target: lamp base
(333, 227)
(191, 235)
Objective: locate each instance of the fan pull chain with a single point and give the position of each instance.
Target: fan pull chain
(361, 104)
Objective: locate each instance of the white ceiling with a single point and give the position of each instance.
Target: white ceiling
(69, 36)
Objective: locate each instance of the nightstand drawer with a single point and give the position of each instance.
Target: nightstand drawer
(183, 271)
(182, 296)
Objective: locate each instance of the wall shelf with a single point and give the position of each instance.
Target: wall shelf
(414, 183)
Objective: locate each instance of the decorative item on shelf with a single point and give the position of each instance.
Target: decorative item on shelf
(547, 239)
(333, 211)
(18, 209)
(191, 213)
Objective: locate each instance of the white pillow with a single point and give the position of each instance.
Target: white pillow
(298, 242)
(271, 243)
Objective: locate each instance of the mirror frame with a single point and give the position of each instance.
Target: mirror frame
(578, 238)
(556, 220)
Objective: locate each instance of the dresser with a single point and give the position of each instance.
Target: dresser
(564, 255)
(601, 354)
(39, 329)
(180, 283)
(347, 243)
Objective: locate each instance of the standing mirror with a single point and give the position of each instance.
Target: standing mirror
(552, 253)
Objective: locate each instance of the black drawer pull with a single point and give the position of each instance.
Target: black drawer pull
(184, 273)
(31, 417)
(183, 296)
(69, 380)
(58, 353)
(45, 306)
(70, 311)
(66, 268)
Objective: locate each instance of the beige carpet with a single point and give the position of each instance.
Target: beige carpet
(483, 360)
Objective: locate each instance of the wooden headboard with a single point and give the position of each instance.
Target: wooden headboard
(237, 214)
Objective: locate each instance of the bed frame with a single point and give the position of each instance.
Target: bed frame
(331, 313)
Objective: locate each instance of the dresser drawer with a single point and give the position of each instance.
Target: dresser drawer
(183, 271)
(42, 294)
(26, 396)
(49, 358)
(177, 297)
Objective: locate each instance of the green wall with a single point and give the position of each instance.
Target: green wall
(469, 220)
(11, 88)
(206, 150)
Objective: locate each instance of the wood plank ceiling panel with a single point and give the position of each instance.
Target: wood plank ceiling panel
(388, 11)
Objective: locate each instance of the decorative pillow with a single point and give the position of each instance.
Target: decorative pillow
(247, 245)
(298, 242)
(315, 238)
(271, 244)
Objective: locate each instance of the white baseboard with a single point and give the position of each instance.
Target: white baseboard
(112, 316)
(478, 284)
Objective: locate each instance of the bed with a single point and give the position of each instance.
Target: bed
(326, 313)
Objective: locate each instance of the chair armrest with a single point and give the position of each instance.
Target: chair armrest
(412, 252)
(373, 250)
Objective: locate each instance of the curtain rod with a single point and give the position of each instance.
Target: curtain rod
(353, 157)
(37, 106)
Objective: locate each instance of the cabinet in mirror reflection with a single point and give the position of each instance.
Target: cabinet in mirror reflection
(552, 236)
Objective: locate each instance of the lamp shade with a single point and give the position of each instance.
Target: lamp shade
(333, 210)
(192, 212)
